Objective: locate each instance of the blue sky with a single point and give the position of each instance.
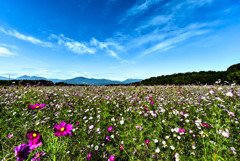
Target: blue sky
(117, 39)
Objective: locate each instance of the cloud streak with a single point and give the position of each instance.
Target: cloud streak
(6, 52)
(31, 39)
(72, 45)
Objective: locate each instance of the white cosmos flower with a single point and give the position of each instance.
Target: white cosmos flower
(157, 150)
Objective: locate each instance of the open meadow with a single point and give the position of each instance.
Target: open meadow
(120, 123)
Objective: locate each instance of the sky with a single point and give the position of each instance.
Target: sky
(117, 39)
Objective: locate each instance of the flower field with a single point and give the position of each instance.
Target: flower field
(120, 123)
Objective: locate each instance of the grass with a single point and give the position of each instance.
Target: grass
(158, 111)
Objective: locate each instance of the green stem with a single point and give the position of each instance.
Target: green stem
(10, 158)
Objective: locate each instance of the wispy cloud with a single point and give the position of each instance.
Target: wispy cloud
(6, 52)
(106, 46)
(138, 8)
(31, 39)
(72, 45)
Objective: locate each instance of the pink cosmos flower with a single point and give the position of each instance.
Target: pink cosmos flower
(62, 129)
(35, 143)
(77, 123)
(22, 151)
(111, 158)
(107, 138)
(231, 114)
(152, 102)
(121, 147)
(36, 106)
(139, 127)
(33, 135)
(37, 156)
(89, 156)
(10, 135)
(181, 130)
(147, 141)
(205, 125)
(110, 128)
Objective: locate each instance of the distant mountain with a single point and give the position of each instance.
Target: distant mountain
(3, 78)
(127, 81)
(77, 80)
(30, 78)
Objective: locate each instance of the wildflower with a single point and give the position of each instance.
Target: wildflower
(231, 114)
(121, 147)
(167, 137)
(89, 156)
(225, 134)
(112, 136)
(10, 135)
(111, 158)
(37, 156)
(203, 134)
(152, 102)
(21, 152)
(139, 127)
(36, 106)
(34, 143)
(172, 147)
(122, 122)
(205, 125)
(157, 150)
(155, 141)
(181, 131)
(110, 128)
(33, 135)
(229, 94)
(147, 141)
(91, 127)
(176, 155)
(107, 138)
(62, 129)
(192, 153)
(77, 123)
(233, 150)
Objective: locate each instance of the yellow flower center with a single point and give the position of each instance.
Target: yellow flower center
(34, 135)
(37, 106)
(38, 155)
(62, 129)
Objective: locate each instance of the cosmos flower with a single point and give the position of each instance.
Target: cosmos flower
(147, 141)
(139, 127)
(157, 150)
(110, 128)
(34, 143)
(62, 129)
(89, 156)
(10, 135)
(121, 147)
(181, 130)
(107, 138)
(91, 127)
(111, 158)
(36, 106)
(33, 135)
(229, 94)
(205, 125)
(37, 156)
(21, 152)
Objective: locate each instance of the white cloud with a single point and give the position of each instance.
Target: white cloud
(138, 8)
(5, 52)
(33, 40)
(106, 46)
(72, 45)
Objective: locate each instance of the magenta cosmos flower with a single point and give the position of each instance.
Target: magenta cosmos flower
(205, 125)
(22, 151)
(121, 147)
(63, 129)
(147, 141)
(89, 156)
(182, 130)
(111, 158)
(37, 156)
(36, 106)
(35, 139)
(110, 128)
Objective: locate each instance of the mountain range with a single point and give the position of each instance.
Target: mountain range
(77, 80)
